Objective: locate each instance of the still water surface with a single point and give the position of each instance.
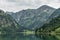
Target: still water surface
(29, 37)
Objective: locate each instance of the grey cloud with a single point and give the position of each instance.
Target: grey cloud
(15, 5)
(11, 0)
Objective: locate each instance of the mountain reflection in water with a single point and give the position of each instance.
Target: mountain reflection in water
(29, 37)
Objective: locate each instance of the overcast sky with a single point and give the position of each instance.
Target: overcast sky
(17, 5)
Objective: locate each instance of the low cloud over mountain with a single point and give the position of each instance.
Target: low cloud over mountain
(17, 5)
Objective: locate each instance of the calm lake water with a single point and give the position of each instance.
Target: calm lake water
(28, 37)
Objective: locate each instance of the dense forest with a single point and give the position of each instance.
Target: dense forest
(8, 24)
(53, 25)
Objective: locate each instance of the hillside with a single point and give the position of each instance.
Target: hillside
(8, 24)
(53, 25)
(33, 18)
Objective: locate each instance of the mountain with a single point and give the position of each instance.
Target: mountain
(54, 14)
(8, 24)
(9, 13)
(53, 25)
(33, 18)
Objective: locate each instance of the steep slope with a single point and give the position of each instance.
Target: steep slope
(55, 14)
(53, 25)
(33, 18)
(7, 23)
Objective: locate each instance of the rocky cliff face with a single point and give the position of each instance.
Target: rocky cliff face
(7, 23)
(33, 18)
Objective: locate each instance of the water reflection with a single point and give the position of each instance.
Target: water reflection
(29, 37)
(47, 37)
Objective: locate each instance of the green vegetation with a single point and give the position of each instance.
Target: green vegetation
(28, 32)
(57, 30)
(7, 23)
(53, 26)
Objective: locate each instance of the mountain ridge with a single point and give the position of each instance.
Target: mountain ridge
(32, 18)
(8, 24)
(53, 24)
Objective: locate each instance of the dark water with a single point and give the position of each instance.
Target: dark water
(29, 37)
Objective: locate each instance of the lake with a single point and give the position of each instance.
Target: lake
(29, 37)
